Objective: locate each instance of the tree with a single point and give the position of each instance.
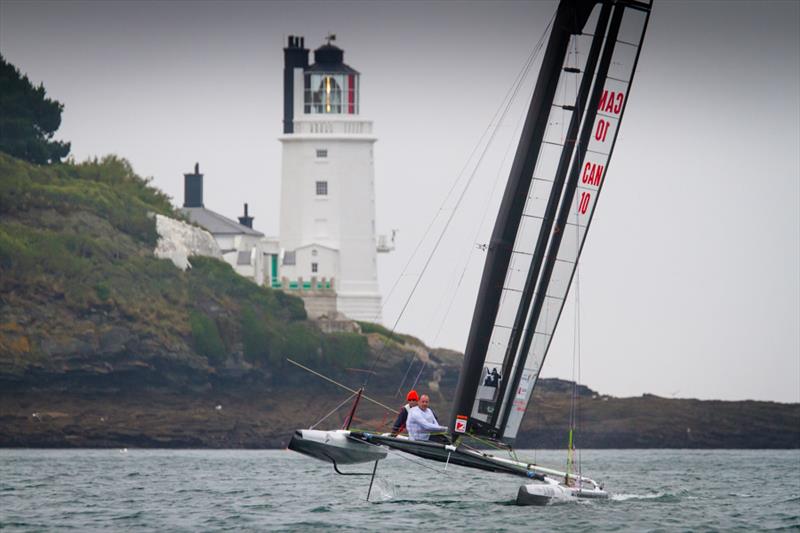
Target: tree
(28, 119)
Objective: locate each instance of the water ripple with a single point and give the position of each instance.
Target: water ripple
(189, 490)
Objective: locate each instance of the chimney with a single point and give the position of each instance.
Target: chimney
(246, 220)
(193, 188)
(295, 55)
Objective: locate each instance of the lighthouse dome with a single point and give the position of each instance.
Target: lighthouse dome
(331, 86)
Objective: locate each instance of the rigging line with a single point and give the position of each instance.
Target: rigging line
(376, 428)
(507, 105)
(576, 351)
(577, 343)
(524, 73)
(511, 452)
(486, 442)
(526, 70)
(414, 253)
(414, 385)
(333, 411)
(518, 81)
(578, 364)
(575, 329)
(479, 226)
(436, 215)
(402, 382)
(576, 347)
(405, 457)
(495, 118)
(345, 387)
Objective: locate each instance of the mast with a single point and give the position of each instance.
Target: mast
(352, 413)
(570, 18)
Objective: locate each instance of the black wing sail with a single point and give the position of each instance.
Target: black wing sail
(558, 172)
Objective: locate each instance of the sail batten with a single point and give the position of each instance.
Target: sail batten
(586, 94)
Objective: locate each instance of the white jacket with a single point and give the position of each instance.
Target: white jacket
(420, 423)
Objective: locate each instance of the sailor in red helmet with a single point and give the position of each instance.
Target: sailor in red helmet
(402, 415)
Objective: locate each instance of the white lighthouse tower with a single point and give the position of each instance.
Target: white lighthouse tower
(327, 224)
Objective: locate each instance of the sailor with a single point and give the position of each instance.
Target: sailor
(421, 421)
(402, 415)
(491, 379)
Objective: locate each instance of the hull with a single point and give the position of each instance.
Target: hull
(343, 447)
(335, 447)
(553, 492)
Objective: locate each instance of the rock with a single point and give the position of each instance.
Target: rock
(113, 340)
(177, 241)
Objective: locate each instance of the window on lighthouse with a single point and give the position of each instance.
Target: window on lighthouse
(331, 93)
(322, 188)
(328, 95)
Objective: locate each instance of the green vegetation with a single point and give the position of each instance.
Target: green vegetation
(206, 337)
(76, 244)
(261, 344)
(108, 188)
(371, 327)
(302, 345)
(102, 291)
(346, 349)
(28, 119)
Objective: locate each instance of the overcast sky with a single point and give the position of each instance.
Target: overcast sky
(690, 278)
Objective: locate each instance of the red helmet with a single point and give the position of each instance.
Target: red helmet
(412, 396)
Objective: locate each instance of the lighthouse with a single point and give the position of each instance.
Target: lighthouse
(327, 219)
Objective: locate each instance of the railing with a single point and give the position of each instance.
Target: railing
(350, 127)
(299, 284)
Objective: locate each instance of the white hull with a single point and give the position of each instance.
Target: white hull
(553, 492)
(335, 447)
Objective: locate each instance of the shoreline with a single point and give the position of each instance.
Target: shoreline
(265, 417)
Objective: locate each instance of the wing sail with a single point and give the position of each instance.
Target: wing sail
(582, 118)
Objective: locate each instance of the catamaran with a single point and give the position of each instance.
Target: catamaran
(559, 169)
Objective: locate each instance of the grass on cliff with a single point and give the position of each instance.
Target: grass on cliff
(108, 188)
(76, 244)
(386, 333)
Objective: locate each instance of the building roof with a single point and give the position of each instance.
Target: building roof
(328, 68)
(216, 223)
(329, 58)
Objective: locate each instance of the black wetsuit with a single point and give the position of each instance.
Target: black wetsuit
(400, 422)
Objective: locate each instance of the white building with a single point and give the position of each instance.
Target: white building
(248, 251)
(327, 220)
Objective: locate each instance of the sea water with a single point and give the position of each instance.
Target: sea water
(200, 490)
